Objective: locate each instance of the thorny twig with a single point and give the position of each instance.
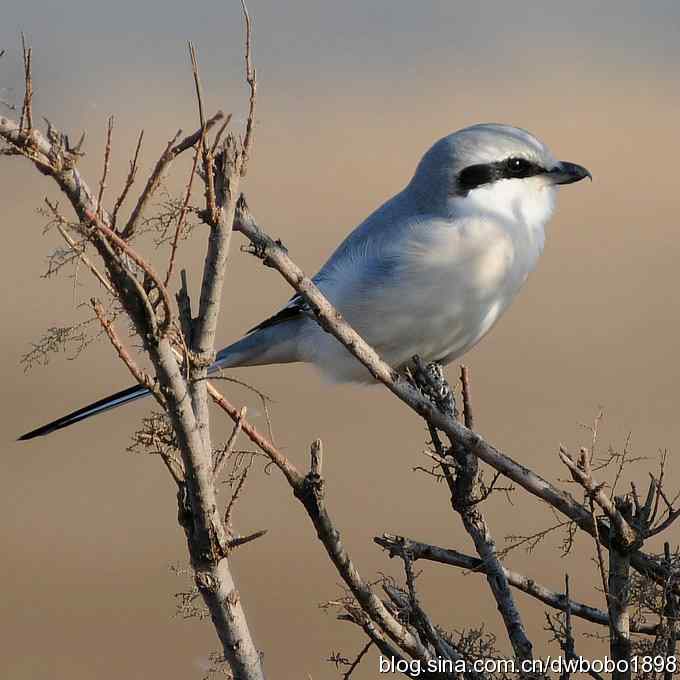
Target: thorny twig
(172, 150)
(56, 339)
(357, 660)
(77, 249)
(206, 156)
(107, 166)
(180, 220)
(140, 376)
(129, 181)
(397, 545)
(531, 541)
(27, 107)
(157, 436)
(223, 454)
(235, 496)
(581, 472)
(251, 78)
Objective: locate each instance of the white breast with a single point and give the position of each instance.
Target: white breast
(454, 279)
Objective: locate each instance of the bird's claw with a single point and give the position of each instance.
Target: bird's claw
(430, 380)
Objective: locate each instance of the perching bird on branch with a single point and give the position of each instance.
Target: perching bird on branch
(428, 273)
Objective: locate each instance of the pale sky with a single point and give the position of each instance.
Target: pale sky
(299, 38)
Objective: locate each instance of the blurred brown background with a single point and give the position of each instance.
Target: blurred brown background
(352, 94)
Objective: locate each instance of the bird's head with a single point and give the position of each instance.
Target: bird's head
(492, 168)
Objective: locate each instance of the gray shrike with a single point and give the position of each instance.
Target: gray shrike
(428, 273)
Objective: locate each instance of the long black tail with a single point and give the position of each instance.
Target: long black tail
(270, 344)
(112, 401)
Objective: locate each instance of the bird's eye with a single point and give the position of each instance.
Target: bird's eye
(519, 167)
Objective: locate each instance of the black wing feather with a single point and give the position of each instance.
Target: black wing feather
(295, 309)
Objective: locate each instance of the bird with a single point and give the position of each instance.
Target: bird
(428, 273)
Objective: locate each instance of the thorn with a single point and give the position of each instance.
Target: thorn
(242, 540)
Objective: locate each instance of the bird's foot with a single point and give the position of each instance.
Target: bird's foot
(430, 380)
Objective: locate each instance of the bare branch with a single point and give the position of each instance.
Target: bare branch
(53, 155)
(145, 267)
(58, 339)
(618, 599)
(172, 150)
(181, 219)
(221, 179)
(140, 376)
(77, 250)
(279, 459)
(660, 528)
(208, 169)
(396, 545)
(310, 492)
(107, 165)
(468, 418)
(219, 134)
(251, 78)
(156, 436)
(672, 513)
(672, 614)
(224, 454)
(585, 462)
(197, 84)
(465, 500)
(531, 541)
(419, 618)
(235, 496)
(569, 645)
(129, 181)
(580, 474)
(27, 108)
(238, 541)
(355, 664)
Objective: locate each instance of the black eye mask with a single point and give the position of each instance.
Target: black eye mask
(485, 173)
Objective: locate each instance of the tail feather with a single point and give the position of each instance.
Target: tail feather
(271, 345)
(267, 345)
(110, 402)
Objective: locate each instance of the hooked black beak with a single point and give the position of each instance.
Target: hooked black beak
(568, 173)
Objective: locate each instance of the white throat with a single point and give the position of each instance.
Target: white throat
(530, 201)
(523, 206)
